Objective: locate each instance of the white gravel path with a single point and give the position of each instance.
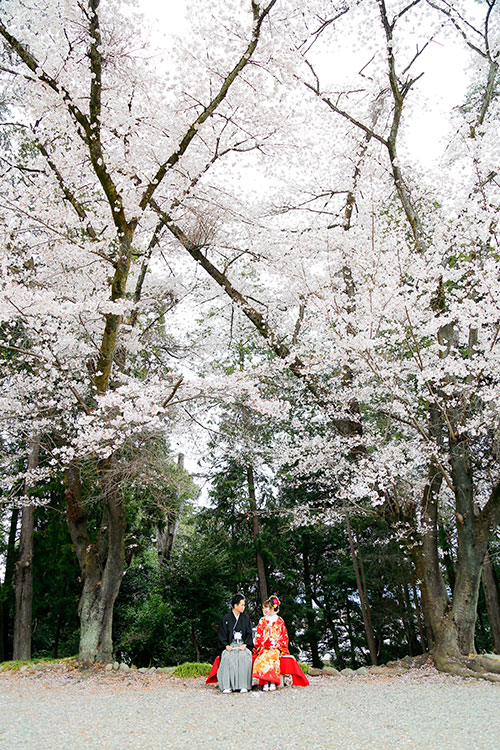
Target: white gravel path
(418, 710)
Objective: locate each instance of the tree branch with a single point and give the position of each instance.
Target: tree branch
(258, 17)
(346, 427)
(68, 194)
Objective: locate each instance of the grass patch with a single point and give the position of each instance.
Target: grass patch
(192, 669)
(15, 666)
(304, 667)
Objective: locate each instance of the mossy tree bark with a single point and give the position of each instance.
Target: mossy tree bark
(101, 562)
(453, 622)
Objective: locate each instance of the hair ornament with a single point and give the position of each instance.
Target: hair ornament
(276, 602)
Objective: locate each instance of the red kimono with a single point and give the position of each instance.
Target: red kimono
(271, 641)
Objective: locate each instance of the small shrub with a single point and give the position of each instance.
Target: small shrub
(304, 667)
(192, 669)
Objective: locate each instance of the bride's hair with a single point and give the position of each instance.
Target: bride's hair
(273, 603)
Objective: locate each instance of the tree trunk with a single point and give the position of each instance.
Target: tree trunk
(166, 536)
(24, 570)
(471, 549)
(261, 570)
(6, 602)
(332, 627)
(349, 631)
(311, 633)
(447, 551)
(101, 564)
(418, 610)
(474, 528)
(24, 587)
(407, 619)
(365, 607)
(492, 596)
(366, 600)
(425, 553)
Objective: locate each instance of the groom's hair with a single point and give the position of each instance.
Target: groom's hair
(236, 599)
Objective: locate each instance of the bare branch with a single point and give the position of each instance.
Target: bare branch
(346, 115)
(324, 24)
(405, 10)
(346, 427)
(68, 194)
(449, 11)
(174, 391)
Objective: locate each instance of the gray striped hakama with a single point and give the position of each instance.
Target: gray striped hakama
(235, 669)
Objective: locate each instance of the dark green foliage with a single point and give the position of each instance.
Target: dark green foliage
(56, 583)
(170, 615)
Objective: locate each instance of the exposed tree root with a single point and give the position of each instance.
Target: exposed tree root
(480, 667)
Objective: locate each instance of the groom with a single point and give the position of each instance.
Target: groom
(235, 644)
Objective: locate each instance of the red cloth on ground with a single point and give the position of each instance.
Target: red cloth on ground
(288, 666)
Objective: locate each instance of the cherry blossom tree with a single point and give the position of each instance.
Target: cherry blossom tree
(106, 145)
(392, 282)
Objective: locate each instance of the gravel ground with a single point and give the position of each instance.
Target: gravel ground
(65, 709)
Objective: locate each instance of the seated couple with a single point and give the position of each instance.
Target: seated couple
(236, 646)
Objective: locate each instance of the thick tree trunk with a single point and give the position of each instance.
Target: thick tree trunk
(455, 641)
(6, 603)
(363, 597)
(425, 553)
(261, 570)
(24, 570)
(24, 587)
(471, 549)
(492, 596)
(101, 564)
